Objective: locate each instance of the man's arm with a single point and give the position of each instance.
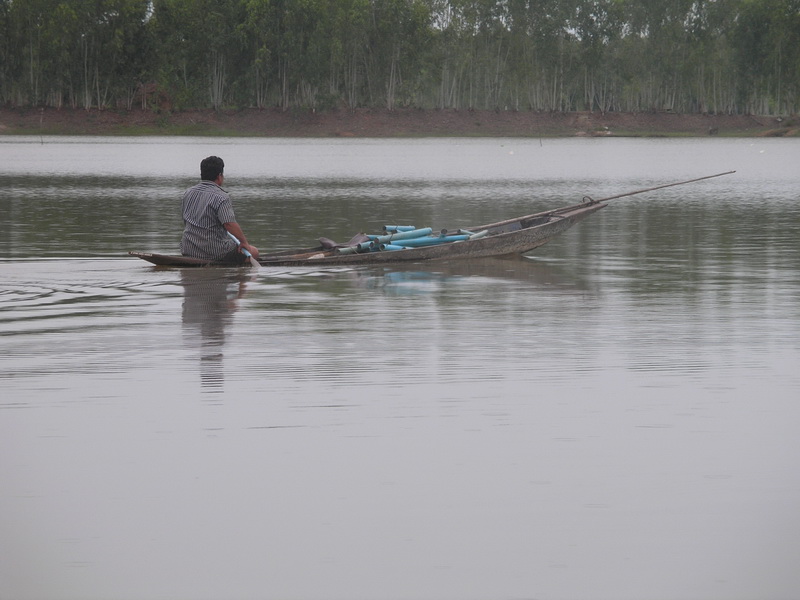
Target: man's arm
(235, 230)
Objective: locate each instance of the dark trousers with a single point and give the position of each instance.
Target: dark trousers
(234, 257)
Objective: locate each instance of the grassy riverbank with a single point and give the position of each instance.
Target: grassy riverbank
(384, 123)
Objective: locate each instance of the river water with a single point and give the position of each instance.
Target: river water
(614, 416)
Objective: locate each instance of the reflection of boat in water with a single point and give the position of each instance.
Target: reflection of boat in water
(209, 301)
(514, 268)
(510, 237)
(413, 279)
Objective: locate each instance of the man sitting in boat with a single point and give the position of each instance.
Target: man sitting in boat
(209, 221)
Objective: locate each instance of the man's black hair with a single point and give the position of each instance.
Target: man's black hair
(211, 168)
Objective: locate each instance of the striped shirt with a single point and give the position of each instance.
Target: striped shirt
(206, 207)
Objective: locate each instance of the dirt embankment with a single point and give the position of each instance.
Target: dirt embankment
(384, 123)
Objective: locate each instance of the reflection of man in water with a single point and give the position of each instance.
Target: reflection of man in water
(208, 218)
(209, 301)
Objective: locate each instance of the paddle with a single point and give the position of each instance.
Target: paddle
(245, 251)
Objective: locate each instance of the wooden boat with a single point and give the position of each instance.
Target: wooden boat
(510, 237)
(513, 236)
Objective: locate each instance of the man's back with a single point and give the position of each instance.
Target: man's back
(206, 207)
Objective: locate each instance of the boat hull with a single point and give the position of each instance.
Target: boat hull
(510, 237)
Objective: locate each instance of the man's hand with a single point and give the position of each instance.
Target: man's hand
(251, 249)
(236, 231)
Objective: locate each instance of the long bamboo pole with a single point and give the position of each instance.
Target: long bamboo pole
(658, 187)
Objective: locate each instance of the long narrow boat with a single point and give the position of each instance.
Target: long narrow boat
(513, 236)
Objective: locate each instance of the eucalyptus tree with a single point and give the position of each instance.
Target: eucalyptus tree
(767, 55)
(474, 53)
(114, 44)
(544, 37)
(349, 46)
(7, 55)
(85, 52)
(397, 34)
(708, 66)
(451, 52)
(257, 36)
(200, 49)
(656, 52)
(28, 26)
(303, 51)
(598, 27)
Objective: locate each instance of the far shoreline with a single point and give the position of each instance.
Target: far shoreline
(382, 123)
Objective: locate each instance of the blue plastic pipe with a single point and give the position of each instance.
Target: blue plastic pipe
(403, 235)
(430, 241)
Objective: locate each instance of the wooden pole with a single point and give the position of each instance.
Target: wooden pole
(658, 187)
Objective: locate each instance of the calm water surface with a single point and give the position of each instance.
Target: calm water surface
(612, 417)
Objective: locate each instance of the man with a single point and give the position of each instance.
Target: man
(208, 217)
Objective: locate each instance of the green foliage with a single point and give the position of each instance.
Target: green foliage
(721, 56)
(80, 53)
(766, 41)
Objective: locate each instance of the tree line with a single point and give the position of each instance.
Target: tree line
(690, 56)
